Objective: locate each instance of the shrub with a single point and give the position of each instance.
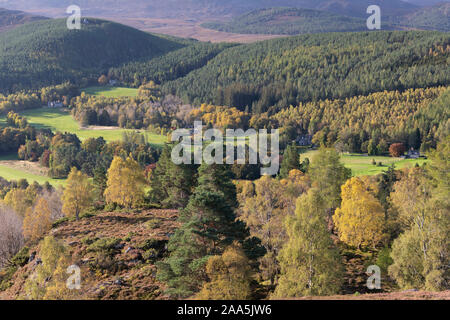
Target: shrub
(384, 259)
(105, 246)
(153, 224)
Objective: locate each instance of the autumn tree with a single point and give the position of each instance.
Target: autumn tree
(38, 221)
(78, 194)
(360, 219)
(397, 149)
(421, 253)
(56, 288)
(20, 199)
(103, 80)
(264, 210)
(310, 263)
(126, 183)
(229, 275)
(52, 252)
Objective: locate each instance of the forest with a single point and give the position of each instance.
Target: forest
(281, 72)
(289, 21)
(241, 245)
(46, 53)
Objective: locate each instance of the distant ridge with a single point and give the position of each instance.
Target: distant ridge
(10, 19)
(289, 21)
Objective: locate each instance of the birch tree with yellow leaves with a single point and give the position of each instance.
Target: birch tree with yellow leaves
(360, 219)
(78, 194)
(37, 221)
(126, 183)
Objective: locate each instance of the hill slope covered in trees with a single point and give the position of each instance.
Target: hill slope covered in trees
(436, 17)
(47, 52)
(286, 71)
(289, 21)
(13, 18)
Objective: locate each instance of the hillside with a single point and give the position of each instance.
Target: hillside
(289, 21)
(46, 52)
(117, 253)
(136, 241)
(286, 71)
(10, 19)
(436, 17)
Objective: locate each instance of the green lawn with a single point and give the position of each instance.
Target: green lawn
(16, 174)
(112, 92)
(59, 120)
(361, 165)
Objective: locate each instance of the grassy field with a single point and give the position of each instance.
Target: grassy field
(112, 92)
(59, 120)
(361, 165)
(9, 172)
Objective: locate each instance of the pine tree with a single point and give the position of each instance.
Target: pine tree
(208, 226)
(310, 264)
(158, 182)
(171, 184)
(291, 160)
(180, 184)
(100, 182)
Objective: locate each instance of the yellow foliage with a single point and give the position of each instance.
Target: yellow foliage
(78, 194)
(221, 117)
(37, 221)
(126, 183)
(360, 219)
(230, 276)
(20, 200)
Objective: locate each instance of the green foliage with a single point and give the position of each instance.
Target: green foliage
(51, 251)
(305, 68)
(171, 184)
(421, 253)
(413, 117)
(21, 258)
(174, 65)
(208, 226)
(384, 259)
(291, 160)
(328, 175)
(310, 264)
(47, 52)
(289, 21)
(106, 246)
